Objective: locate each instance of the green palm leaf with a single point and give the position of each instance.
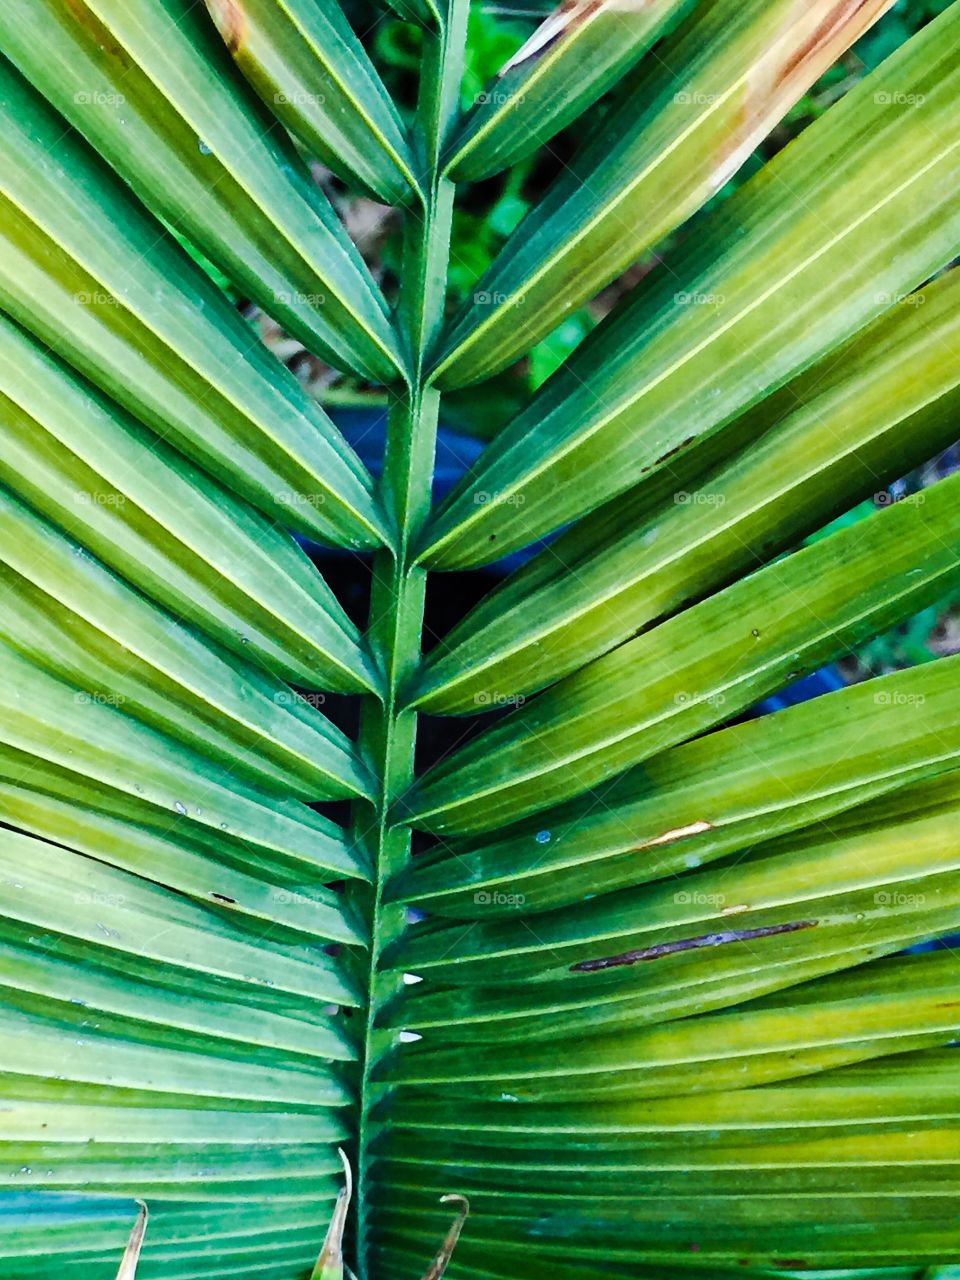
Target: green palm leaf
(571, 60)
(780, 274)
(662, 154)
(151, 88)
(285, 53)
(631, 975)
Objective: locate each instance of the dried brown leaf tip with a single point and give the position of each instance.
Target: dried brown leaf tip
(570, 15)
(835, 27)
(813, 35)
(131, 1255)
(556, 25)
(810, 36)
(231, 21)
(441, 1261)
(330, 1263)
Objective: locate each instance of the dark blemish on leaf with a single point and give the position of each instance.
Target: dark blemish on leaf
(222, 897)
(672, 453)
(661, 949)
(105, 41)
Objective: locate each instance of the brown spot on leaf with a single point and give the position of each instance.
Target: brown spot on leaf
(231, 21)
(101, 34)
(661, 949)
(222, 897)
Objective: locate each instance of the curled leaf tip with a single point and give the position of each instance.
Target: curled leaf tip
(131, 1255)
(441, 1261)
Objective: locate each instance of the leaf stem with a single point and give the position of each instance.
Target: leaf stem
(387, 734)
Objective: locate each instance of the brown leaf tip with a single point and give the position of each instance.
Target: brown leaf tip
(231, 21)
(440, 1262)
(131, 1255)
(331, 1255)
